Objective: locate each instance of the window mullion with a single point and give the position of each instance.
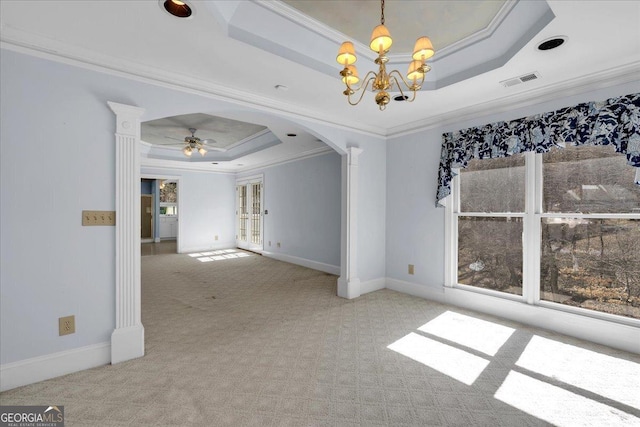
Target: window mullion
(452, 207)
(531, 232)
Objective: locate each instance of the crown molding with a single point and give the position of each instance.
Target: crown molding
(323, 30)
(289, 159)
(45, 48)
(177, 165)
(615, 76)
(147, 162)
(27, 43)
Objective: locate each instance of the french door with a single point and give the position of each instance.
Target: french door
(249, 219)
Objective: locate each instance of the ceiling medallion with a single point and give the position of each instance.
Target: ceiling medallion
(382, 81)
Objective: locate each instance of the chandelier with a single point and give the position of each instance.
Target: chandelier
(383, 81)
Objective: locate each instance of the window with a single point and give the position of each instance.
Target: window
(560, 229)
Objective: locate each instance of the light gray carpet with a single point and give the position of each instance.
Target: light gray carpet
(251, 341)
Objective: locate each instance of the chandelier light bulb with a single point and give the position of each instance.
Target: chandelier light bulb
(351, 78)
(423, 49)
(415, 71)
(202, 151)
(187, 151)
(380, 39)
(346, 54)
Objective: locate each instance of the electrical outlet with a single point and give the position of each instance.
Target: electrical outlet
(411, 268)
(66, 325)
(216, 237)
(278, 244)
(269, 242)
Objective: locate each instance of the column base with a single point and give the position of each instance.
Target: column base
(127, 343)
(348, 288)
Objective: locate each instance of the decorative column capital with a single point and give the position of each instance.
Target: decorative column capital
(127, 118)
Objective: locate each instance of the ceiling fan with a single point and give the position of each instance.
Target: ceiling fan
(193, 143)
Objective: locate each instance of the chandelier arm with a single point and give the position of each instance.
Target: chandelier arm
(362, 87)
(402, 92)
(363, 84)
(406, 83)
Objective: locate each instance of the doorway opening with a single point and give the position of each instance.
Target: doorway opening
(249, 214)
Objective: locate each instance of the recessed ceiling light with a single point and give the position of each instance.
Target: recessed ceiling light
(292, 134)
(177, 8)
(552, 43)
(214, 163)
(281, 87)
(400, 98)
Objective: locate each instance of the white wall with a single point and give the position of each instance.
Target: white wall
(207, 206)
(303, 201)
(415, 227)
(57, 155)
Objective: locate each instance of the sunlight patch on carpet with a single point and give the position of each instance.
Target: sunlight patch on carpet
(598, 373)
(457, 364)
(481, 335)
(558, 406)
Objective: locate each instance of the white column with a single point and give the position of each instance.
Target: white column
(349, 283)
(127, 339)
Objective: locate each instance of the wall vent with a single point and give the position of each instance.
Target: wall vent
(522, 79)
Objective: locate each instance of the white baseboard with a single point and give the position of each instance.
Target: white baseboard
(611, 334)
(434, 293)
(373, 285)
(327, 268)
(127, 343)
(36, 369)
(203, 248)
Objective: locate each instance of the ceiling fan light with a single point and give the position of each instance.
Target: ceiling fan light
(415, 71)
(346, 54)
(423, 49)
(187, 151)
(202, 151)
(380, 39)
(351, 78)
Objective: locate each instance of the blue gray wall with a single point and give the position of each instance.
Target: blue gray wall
(303, 199)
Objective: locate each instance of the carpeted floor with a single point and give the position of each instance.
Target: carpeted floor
(236, 339)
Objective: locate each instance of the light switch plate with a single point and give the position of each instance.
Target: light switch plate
(98, 217)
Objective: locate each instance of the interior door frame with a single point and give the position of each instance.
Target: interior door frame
(247, 181)
(148, 239)
(177, 179)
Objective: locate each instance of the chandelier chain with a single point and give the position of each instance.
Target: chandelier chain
(382, 12)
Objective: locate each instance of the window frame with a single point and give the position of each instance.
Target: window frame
(531, 241)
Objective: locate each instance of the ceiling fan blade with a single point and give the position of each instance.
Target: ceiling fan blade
(208, 141)
(169, 144)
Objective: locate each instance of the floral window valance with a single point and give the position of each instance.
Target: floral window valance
(615, 121)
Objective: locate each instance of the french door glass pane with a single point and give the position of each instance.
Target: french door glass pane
(490, 253)
(589, 179)
(493, 185)
(592, 263)
(243, 214)
(255, 213)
